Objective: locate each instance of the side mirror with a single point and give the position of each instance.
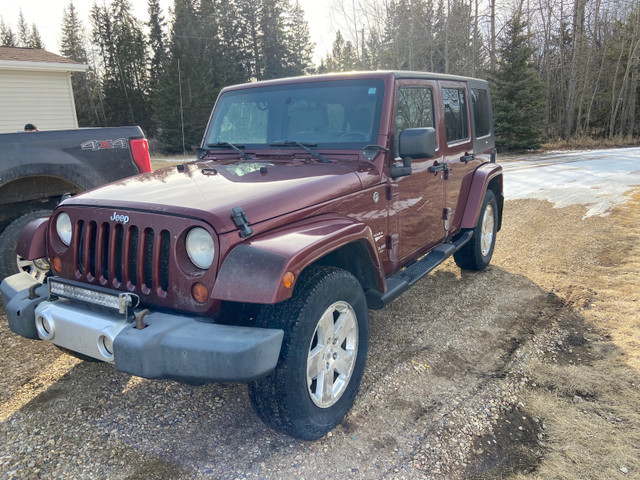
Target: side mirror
(402, 171)
(417, 142)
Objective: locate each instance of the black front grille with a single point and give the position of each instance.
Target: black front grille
(123, 255)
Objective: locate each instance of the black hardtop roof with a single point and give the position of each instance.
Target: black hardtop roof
(398, 74)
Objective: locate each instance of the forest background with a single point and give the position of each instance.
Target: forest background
(560, 70)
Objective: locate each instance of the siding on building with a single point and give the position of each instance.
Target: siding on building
(35, 87)
(42, 98)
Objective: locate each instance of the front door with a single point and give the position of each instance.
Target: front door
(417, 200)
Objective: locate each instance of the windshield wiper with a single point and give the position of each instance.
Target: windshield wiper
(303, 145)
(229, 145)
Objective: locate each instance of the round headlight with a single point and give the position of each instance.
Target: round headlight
(200, 247)
(63, 227)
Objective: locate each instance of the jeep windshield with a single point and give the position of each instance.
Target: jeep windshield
(326, 115)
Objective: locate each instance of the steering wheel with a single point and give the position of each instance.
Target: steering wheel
(355, 133)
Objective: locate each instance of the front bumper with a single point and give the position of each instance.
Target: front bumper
(179, 347)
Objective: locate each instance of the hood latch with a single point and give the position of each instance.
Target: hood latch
(241, 221)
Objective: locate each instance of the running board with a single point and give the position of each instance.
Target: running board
(402, 281)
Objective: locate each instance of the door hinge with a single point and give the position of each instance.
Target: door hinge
(467, 157)
(392, 191)
(446, 216)
(393, 241)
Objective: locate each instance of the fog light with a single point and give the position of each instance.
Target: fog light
(200, 293)
(45, 327)
(105, 345)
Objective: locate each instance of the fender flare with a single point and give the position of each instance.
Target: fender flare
(32, 241)
(482, 176)
(252, 272)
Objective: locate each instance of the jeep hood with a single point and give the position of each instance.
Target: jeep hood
(264, 188)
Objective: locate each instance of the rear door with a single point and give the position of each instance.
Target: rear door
(458, 150)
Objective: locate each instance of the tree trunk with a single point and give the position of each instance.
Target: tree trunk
(578, 35)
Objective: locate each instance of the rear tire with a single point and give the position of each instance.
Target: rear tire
(477, 253)
(10, 262)
(323, 355)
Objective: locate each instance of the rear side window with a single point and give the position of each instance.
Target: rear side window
(455, 114)
(414, 109)
(480, 103)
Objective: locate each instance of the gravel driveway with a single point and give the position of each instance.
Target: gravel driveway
(447, 360)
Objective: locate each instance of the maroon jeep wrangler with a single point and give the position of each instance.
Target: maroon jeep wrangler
(313, 200)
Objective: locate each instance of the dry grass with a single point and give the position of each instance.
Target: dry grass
(579, 142)
(588, 392)
(162, 162)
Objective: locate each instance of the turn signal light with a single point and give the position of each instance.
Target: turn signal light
(200, 293)
(288, 279)
(56, 264)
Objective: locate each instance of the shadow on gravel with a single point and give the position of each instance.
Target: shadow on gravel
(441, 358)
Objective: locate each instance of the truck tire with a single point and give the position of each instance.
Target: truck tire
(477, 254)
(324, 350)
(10, 262)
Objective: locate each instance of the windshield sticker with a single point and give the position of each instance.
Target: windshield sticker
(372, 91)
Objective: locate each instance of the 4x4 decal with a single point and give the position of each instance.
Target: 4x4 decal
(96, 145)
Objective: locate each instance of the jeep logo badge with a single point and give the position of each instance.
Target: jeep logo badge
(124, 219)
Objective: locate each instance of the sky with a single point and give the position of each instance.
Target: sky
(47, 16)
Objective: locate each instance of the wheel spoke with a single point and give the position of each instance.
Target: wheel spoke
(325, 327)
(344, 363)
(24, 264)
(315, 363)
(327, 386)
(344, 326)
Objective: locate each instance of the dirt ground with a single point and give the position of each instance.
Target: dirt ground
(530, 369)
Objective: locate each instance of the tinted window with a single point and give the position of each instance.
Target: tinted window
(480, 102)
(455, 114)
(329, 114)
(414, 109)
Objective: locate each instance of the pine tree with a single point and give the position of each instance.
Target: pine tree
(334, 62)
(85, 84)
(7, 37)
(119, 38)
(157, 43)
(23, 30)
(274, 48)
(35, 40)
(518, 100)
(187, 90)
(299, 44)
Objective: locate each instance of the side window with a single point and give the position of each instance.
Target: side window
(480, 103)
(414, 109)
(455, 114)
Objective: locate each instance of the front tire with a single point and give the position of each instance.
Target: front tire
(477, 253)
(324, 350)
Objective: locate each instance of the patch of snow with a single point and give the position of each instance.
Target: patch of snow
(601, 179)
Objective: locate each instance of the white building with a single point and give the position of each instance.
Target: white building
(35, 87)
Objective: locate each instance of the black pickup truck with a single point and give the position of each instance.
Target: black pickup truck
(38, 168)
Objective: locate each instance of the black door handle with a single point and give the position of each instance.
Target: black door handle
(467, 158)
